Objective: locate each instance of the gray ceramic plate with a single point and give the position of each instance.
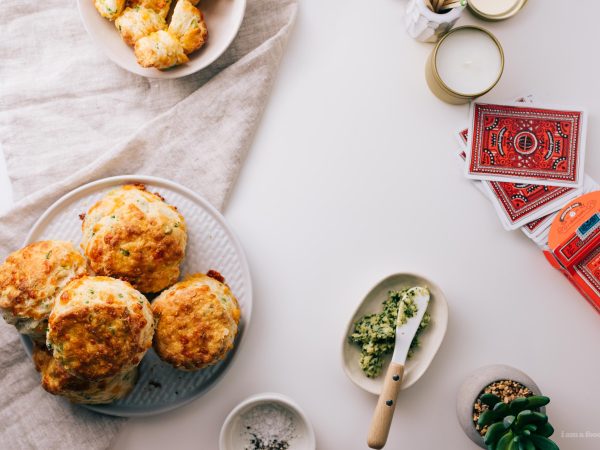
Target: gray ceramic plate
(211, 245)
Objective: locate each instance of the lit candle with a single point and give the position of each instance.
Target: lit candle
(466, 63)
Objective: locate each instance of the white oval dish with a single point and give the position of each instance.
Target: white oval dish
(430, 339)
(211, 245)
(231, 436)
(223, 19)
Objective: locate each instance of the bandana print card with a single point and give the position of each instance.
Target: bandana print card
(518, 204)
(463, 133)
(538, 226)
(463, 137)
(523, 143)
(479, 185)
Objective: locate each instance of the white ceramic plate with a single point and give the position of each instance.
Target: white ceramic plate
(232, 432)
(223, 20)
(211, 245)
(430, 339)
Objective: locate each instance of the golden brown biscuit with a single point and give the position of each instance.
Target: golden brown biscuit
(58, 381)
(135, 23)
(31, 279)
(160, 50)
(187, 25)
(134, 235)
(110, 9)
(216, 282)
(160, 6)
(196, 322)
(100, 327)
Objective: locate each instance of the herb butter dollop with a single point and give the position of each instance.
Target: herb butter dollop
(376, 333)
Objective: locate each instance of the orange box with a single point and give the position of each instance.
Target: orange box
(574, 245)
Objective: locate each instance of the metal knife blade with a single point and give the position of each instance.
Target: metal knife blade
(406, 332)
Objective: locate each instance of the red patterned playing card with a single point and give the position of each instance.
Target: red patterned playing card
(522, 203)
(531, 228)
(526, 144)
(464, 135)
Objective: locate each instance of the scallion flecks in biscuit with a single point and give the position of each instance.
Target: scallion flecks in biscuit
(100, 327)
(160, 6)
(135, 23)
(160, 50)
(134, 235)
(109, 9)
(196, 322)
(56, 380)
(31, 279)
(188, 26)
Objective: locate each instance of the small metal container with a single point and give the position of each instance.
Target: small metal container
(496, 10)
(437, 85)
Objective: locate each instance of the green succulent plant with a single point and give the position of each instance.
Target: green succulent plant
(518, 425)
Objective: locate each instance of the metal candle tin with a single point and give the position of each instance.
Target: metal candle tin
(437, 85)
(505, 9)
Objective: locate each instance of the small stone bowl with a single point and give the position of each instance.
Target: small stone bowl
(477, 382)
(232, 432)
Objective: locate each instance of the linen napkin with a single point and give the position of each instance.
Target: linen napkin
(68, 116)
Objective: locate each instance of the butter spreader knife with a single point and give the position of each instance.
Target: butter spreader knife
(386, 405)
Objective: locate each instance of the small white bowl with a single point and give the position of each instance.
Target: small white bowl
(223, 20)
(231, 437)
(430, 340)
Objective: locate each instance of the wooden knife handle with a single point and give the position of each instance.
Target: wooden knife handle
(386, 405)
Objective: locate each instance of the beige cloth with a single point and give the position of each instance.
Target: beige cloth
(68, 116)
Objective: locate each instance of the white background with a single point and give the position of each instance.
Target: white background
(352, 177)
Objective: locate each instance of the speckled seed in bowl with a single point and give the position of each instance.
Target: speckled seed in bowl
(477, 382)
(267, 419)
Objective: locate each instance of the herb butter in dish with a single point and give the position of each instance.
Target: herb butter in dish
(369, 337)
(375, 333)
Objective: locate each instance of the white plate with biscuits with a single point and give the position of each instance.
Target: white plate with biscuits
(211, 245)
(223, 19)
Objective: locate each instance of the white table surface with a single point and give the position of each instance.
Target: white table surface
(352, 177)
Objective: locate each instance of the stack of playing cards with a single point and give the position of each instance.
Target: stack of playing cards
(528, 160)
